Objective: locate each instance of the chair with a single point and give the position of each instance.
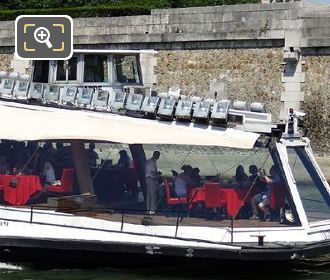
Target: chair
(66, 185)
(171, 201)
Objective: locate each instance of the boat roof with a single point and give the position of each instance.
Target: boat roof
(32, 122)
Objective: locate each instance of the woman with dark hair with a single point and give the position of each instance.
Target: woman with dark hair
(124, 160)
(240, 180)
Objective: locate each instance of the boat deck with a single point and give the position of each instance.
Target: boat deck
(165, 218)
(185, 221)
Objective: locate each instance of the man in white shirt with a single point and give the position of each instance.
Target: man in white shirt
(151, 175)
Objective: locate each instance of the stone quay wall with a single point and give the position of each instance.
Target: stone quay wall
(245, 74)
(317, 102)
(5, 62)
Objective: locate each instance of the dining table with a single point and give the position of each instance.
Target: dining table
(18, 189)
(232, 199)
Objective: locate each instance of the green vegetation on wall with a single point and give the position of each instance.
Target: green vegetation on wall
(10, 9)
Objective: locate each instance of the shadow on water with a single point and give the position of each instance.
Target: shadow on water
(315, 269)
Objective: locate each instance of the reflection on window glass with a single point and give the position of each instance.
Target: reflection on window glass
(127, 69)
(40, 73)
(22, 86)
(67, 70)
(312, 192)
(96, 68)
(60, 75)
(72, 69)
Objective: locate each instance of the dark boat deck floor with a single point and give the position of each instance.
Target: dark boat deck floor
(163, 218)
(186, 221)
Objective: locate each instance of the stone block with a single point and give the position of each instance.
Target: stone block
(183, 19)
(292, 23)
(228, 16)
(273, 34)
(317, 42)
(5, 33)
(292, 87)
(7, 25)
(209, 17)
(8, 41)
(317, 21)
(292, 96)
(298, 77)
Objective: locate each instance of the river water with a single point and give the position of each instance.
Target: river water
(318, 271)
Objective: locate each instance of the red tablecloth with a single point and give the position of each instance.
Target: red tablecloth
(277, 197)
(27, 185)
(232, 199)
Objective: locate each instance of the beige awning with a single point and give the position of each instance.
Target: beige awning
(28, 122)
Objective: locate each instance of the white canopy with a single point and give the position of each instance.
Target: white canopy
(29, 122)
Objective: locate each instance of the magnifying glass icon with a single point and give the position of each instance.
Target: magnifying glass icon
(41, 35)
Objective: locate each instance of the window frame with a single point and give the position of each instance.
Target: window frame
(112, 75)
(109, 76)
(139, 70)
(49, 71)
(66, 81)
(303, 154)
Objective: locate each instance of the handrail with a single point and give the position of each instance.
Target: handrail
(31, 215)
(179, 214)
(33, 210)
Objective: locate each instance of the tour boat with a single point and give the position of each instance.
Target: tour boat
(98, 96)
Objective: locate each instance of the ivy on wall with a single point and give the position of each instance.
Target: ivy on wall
(10, 9)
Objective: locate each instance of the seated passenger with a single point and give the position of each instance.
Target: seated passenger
(196, 179)
(124, 160)
(240, 180)
(48, 174)
(182, 181)
(261, 200)
(255, 179)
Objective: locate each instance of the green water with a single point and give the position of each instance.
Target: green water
(318, 272)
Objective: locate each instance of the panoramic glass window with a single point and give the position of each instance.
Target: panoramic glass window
(127, 70)
(40, 73)
(313, 194)
(96, 68)
(67, 70)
